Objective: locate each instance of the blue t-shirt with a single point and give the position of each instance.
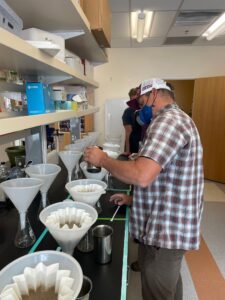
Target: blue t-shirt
(135, 136)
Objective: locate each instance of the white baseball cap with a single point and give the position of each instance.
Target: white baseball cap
(153, 83)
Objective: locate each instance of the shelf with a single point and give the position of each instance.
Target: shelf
(11, 87)
(26, 122)
(58, 15)
(18, 55)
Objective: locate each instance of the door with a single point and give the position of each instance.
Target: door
(209, 116)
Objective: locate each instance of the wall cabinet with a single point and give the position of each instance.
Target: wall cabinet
(99, 16)
(58, 15)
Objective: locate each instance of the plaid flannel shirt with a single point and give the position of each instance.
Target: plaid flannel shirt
(168, 212)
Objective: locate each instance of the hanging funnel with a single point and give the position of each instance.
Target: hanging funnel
(67, 238)
(70, 159)
(86, 190)
(47, 173)
(21, 192)
(79, 145)
(94, 136)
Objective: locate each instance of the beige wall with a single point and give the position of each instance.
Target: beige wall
(128, 67)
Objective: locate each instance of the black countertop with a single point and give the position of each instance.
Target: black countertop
(109, 280)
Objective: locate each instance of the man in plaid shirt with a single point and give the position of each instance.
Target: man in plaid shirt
(168, 190)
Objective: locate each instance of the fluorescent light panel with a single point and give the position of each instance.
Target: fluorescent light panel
(216, 28)
(140, 24)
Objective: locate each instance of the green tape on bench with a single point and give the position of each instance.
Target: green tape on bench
(125, 259)
(108, 219)
(38, 241)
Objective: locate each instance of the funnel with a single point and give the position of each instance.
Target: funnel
(98, 176)
(47, 173)
(48, 258)
(86, 190)
(94, 136)
(77, 189)
(78, 145)
(21, 192)
(68, 238)
(70, 159)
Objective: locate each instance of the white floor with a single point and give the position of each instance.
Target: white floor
(213, 227)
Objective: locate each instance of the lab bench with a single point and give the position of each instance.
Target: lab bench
(109, 280)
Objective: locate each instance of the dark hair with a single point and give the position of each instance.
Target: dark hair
(170, 86)
(132, 92)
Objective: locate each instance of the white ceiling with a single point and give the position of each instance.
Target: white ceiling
(163, 24)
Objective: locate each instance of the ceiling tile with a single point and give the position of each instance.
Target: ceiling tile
(203, 5)
(162, 21)
(121, 43)
(186, 30)
(155, 4)
(151, 42)
(120, 25)
(119, 5)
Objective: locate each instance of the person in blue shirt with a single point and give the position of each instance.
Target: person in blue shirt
(133, 131)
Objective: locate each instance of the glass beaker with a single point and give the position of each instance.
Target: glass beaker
(18, 170)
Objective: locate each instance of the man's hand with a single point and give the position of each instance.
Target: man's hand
(121, 199)
(94, 155)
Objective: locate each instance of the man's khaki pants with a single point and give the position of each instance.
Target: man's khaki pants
(160, 273)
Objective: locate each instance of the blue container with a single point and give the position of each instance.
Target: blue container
(39, 98)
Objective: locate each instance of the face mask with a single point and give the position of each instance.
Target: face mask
(144, 115)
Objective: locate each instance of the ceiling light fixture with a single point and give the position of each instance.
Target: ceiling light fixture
(140, 24)
(216, 28)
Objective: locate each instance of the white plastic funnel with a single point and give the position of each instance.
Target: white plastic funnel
(66, 262)
(68, 238)
(70, 159)
(86, 197)
(94, 136)
(21, 191)
(47, 173)
(98, 176)
(79, 144)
